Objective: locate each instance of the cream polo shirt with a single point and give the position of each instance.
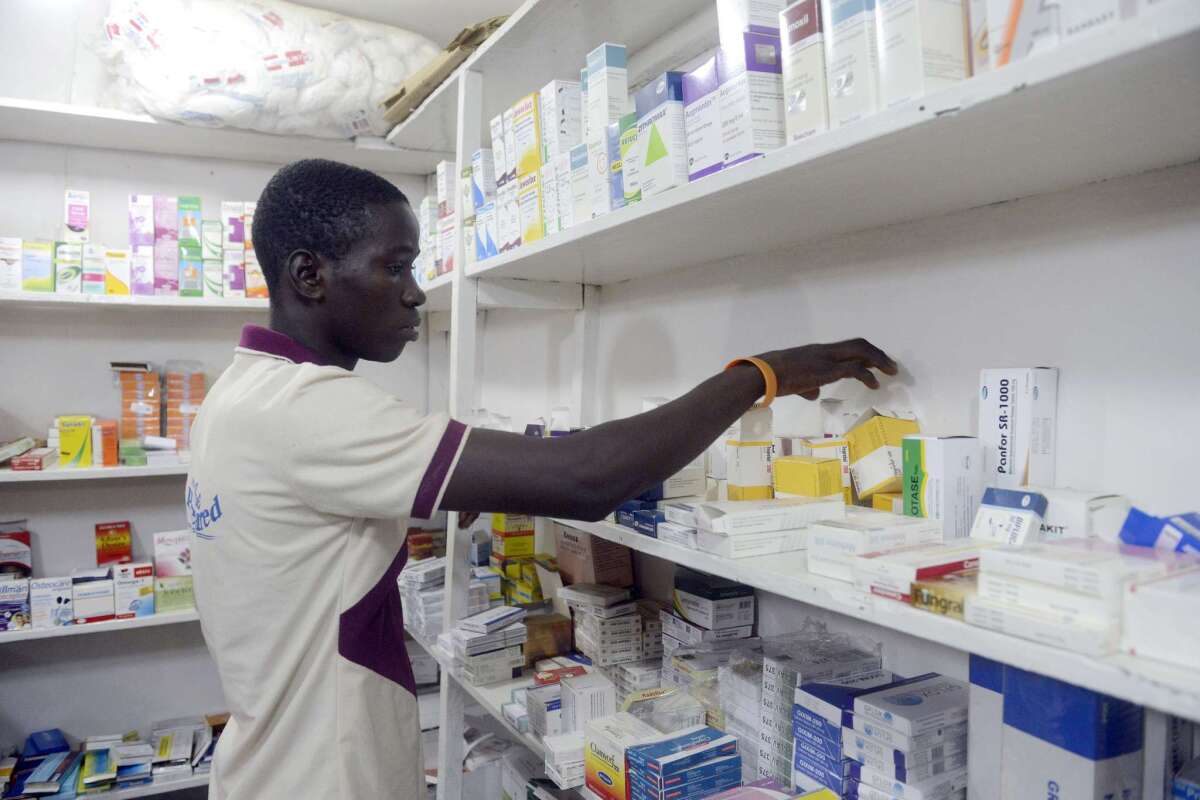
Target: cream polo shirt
(301, 480)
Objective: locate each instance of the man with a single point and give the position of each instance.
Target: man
(303, 475)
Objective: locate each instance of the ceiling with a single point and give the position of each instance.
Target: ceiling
(440, 20)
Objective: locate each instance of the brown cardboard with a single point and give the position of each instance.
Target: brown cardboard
(583, 558)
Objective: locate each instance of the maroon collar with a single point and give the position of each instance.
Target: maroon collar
(265, 340)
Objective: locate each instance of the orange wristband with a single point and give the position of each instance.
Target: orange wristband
(768, 377)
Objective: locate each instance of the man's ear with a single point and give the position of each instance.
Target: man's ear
(307, 277)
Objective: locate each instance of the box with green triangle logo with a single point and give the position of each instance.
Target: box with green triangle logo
(662, 143)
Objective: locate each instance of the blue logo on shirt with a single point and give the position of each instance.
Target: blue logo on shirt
(200, 515)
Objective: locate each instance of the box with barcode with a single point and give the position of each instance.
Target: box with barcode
(711, 602)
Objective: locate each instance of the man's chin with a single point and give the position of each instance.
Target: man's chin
(384, 356)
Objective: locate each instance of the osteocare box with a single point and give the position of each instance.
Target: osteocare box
(50, 602)
(702, 120)
(561, 118)
(1068, 742)
(943, 480)
(852, 59)
(1017, 419)
(133, 586)
(985, 728)
(661, 141)
(805, 97)
(1017, 29)
(922, 48)
(751, 97)
(607, 87)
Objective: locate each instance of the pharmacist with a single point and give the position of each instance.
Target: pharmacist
(303, 476)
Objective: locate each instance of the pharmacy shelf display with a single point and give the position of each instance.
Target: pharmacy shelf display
(107, 128)
(152, 621)
(1164, 687)
(88, 473)
(1026, 129)
(113, 301)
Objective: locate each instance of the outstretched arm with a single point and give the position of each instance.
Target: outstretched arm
(587, 475)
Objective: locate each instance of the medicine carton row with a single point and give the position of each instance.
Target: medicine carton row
(172, 251)
(576, 150)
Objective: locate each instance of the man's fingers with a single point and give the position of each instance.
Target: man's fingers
(864, 352)
(861, 373)
(811, 394)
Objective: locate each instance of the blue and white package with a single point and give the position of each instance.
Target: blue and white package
(900, 741)
(646, 521)
(917, 705)
(1010, 516)
(1081, 744)
(937, 787)
(1186, 785)
(820, 711)
(1180, 533)
(685, 749)
(866, 750)
(914, 773)
(985, 725)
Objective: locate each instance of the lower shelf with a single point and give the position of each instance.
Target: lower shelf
(155, 788)
(1164, 687)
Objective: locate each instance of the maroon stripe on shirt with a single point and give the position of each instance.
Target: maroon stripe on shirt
(371, 632)
(265, 340)
(439, 467)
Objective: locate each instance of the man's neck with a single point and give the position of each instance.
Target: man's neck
(304, 332)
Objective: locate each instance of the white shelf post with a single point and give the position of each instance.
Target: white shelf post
(583, 378)
(464, 303)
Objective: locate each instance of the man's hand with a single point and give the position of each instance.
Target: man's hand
(804, 370)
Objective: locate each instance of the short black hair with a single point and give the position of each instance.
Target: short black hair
(317, 205)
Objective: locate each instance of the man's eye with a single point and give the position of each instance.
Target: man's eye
(398, 269)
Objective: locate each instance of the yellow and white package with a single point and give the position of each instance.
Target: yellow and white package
(529, 205)
(807, 476)
(875, 459)
(527, 134)
(118, 271)
(75, 441)
(838, 448)
(748, 457)
(606, 740)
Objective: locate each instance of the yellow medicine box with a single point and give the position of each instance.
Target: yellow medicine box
(891, 502)
(75, 441)
(808, 476)
(875, 458)
(509, 568)
(524, 592)
(512, 523)
(512, 545)
(748, 467)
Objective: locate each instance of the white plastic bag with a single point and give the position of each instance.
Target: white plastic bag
(264, 65)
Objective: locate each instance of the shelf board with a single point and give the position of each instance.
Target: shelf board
(489, 697)
(107, 128)
(115, 301)
(1027, 129)
(1167, 688)
(152, 621)
(155, 788)
(89, 473)
(437, 293)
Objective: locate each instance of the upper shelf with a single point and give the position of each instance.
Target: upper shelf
(87, 126)
(1162, 686)
(58, 473)
(51, 300)
(1114, 103)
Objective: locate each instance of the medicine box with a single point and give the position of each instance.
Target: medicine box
(508, 217)
(10, 264)
(37, 266)
(916, 705)
(92, 595)
(748, 470)
(527, 134)
(50, 602)
(1009, 516)
(485, 232)
(736, 518)
(75, 441)
(76, 215)
(607, 740)
(447, 245)
(607, 88)
(141, 220)
(702, 120)
(712, 603)
(852, 60)
(892, 573)
(977, 30)
(233, 269)
(14, 604)
(133, 586)
(833, 544)
(94, 270)
(68, 268)
(661, 141)
(465, 206)
(581, 184)
(586, 698)
(876, 463)
(1017, 418)
(483, 179)
(1074, 514)
(1085, 744)
(736, 17)
(564, 190)
(447, 187)
(233, 226)
(1017, 30)
(921, 48)
(118, 272)
(599, 179)
(550, 212)
(499, 153)
(805, 96)
(529, 207)
(631, 181)
(583, 558)
(561, 118)
(943, 480)
(807, 476)
(985, 726)
(751, 97)
(166, 245)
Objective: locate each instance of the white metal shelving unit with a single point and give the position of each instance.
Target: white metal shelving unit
(1115, 103)
(152, 621)
(126, 302)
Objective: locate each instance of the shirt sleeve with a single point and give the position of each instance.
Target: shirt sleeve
(354, 450)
